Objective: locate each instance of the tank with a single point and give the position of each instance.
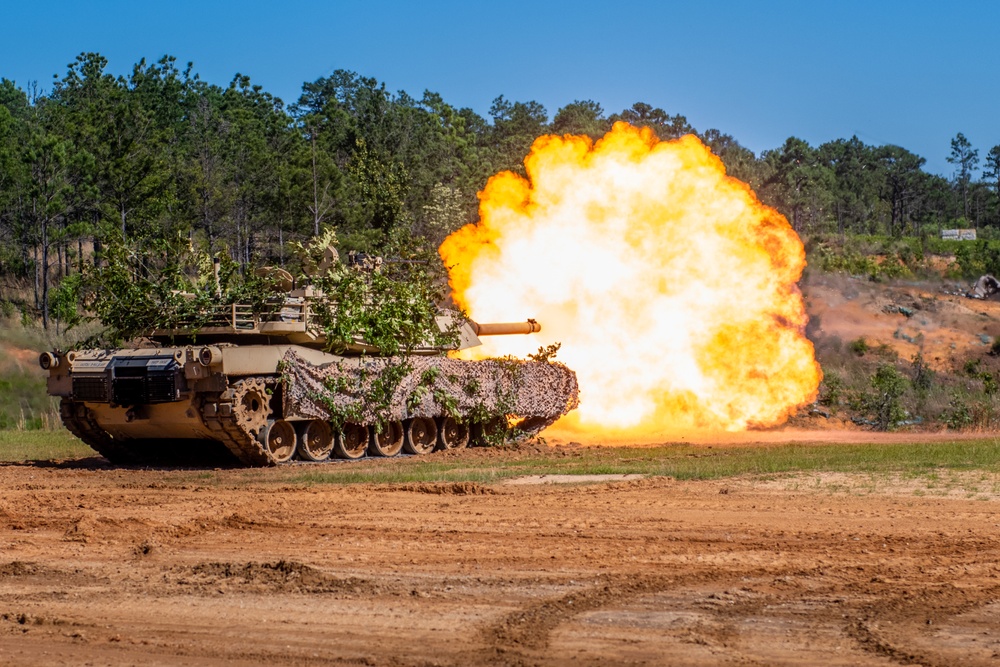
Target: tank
(261, 389)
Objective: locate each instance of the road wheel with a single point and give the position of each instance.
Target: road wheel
(351, 442)
(389, 441)
(453, 434)
(315, 440)
(421, 436)
(278, 438)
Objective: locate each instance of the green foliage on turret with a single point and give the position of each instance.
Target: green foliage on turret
(390, 304)
(154, 283)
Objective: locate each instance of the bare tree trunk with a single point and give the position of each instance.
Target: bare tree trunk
(281, 246)
(45, 275)
(37, 278)
(96, 238)
(25, 253)
(316, 215)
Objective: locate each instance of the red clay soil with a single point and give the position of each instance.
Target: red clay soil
(928, 317)
(108, 566)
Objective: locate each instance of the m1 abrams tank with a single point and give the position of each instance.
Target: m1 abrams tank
(263, 387)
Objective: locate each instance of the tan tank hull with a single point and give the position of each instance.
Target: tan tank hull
(266, 404)
(166, 421)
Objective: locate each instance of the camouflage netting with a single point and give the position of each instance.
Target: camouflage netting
(537, 391)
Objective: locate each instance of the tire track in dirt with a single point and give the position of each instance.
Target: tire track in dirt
(908, 611)
(521, 638)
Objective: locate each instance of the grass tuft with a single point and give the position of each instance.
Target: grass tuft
(683, 462)
(936, 464)
(16, 446)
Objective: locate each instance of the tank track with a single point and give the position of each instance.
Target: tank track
(224, 417)
(80, 422)
(224, 414)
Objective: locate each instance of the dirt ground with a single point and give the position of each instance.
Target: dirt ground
(111, 566)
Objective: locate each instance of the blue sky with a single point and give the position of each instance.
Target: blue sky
(908, 73)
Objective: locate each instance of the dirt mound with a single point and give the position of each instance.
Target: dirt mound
(278, 576)
(90, 527)
(17, 568)
(447, 488)
(281, 573)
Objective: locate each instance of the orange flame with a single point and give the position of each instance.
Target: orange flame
(669, 284)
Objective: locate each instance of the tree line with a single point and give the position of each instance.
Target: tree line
(161, 154)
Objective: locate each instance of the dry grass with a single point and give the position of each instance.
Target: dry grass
(24, 401)
(41, 446)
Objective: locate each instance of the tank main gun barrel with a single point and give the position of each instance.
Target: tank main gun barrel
(506, 328)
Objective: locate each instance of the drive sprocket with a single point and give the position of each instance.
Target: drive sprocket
(251, 405)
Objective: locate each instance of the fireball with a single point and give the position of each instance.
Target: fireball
(670, 286)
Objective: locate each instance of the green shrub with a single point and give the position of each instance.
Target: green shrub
(883, 405)
(990, 386)
(974, 258)
(923, 377)
(831, 389)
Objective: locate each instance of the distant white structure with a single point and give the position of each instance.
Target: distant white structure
(958, 234)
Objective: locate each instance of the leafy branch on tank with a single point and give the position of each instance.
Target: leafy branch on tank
(154, 284)
(389, 304)
(392, 307)
(340, 385)
(383, 388)
(161, 284)
(497, 430)
(547, 353)
(424, 387)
